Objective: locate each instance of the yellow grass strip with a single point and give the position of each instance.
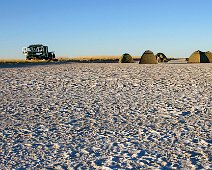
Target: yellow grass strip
(79, 58)
(92, 58)
(20, 61)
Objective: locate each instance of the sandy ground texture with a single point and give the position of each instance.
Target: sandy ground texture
(106, 116)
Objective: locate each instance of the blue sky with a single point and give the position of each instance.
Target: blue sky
(106, 27)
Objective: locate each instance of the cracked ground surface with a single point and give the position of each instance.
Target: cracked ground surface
(106, 116)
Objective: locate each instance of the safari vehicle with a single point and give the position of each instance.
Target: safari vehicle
(38, 52)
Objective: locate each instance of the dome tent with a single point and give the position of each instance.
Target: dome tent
(148, 57)
(198, 57)
(209, 55)
(126, 58)
(161, 57)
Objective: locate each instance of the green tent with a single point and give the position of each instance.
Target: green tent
(161, 58)
(126, 58)
(198, 57)
(209, 55)
(148, 57)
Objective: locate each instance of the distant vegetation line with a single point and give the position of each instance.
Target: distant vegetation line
(96, 58)
(80, 58)
(20, 61)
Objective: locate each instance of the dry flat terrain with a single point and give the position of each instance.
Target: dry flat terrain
(106, 116)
